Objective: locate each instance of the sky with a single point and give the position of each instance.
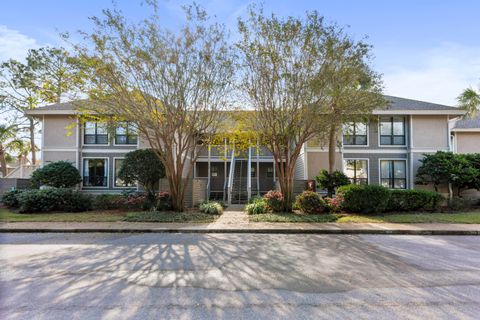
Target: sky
(425, 49)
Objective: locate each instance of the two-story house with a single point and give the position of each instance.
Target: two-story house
(385, 150)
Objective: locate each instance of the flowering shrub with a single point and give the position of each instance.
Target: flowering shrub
(310, 202)
(335, 204)
(132, 201)
(274, 200)
(164, 201)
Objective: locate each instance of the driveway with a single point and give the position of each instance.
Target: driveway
(238, 276)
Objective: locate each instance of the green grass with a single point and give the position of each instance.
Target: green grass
(196, 217)
(462, 217)
(105, 216)
(292, 217)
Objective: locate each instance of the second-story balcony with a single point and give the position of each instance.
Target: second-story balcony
(225, 153)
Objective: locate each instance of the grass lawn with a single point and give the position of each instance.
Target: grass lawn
(468, 217)
(104, 216)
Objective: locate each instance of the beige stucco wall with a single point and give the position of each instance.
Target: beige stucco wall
(317, 161)
(52, 156)
(59, 132)
(430, 132)
(467, 142)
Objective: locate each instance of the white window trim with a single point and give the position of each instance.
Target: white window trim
(93, 144)
(369, 181)
(137, 145)
(404, 130)
(107, 168)
(359, 145)
(407, 170)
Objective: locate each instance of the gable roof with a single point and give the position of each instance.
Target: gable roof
(396, 105)
(472, 124)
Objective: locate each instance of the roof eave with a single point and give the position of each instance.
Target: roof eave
(419, 112)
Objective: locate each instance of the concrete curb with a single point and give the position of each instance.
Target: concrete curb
(245, 230)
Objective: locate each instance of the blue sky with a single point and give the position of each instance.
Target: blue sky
(425, 49)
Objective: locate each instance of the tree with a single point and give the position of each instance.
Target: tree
(142, 166)
(171, 85)
(293, 71)
(59, 174)
(456, 170)
(352, 87)
(332, 181)
(8, 142)
(469, 100)
(45, 77)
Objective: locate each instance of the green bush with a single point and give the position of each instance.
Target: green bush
(106, 201)
(309, 202)
(9, 198)
(331, 181)
(256, 206)
(412, 200)
(211, 207)
(365, 199)
(60, 174)
(164, 201)
(53, 199)
(274, 200)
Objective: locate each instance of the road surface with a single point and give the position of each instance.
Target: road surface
(238, 276)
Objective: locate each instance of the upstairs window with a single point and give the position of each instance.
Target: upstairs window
(392, 131)
(126, 133)
(95, 133)
(355, 133)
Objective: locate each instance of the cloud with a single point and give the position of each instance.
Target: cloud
(434, 74)
(14, 44)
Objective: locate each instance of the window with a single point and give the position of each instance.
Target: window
(95, 133)
(393, 174)
(95, 172)
(357, 171)
(355, 133)
(126, 133)
(117, 181)
(270, 172)
(392, 131)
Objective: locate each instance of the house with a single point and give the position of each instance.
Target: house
(465, 135)
(386, 150)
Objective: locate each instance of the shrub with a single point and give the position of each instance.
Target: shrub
(274, 200)
(365, 199)
(142, 166)
(60, 174)
(335, 204)
(10, 199)
(107, 201)
(331, 181)
(257, 205)
(309, 202)
(53, 199)
(211, 207)
(133, 201)
(164, 201)
(411, 200)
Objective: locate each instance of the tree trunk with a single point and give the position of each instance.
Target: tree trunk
(332, 146)
(3, 163)
(32, 140)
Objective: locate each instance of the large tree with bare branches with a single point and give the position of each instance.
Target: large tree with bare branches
(172, 85)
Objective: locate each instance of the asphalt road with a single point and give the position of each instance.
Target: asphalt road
(245, 276)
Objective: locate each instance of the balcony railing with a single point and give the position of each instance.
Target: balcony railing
(95, 181)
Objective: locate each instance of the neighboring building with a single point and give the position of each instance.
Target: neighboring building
(385, 151)
(466, 135)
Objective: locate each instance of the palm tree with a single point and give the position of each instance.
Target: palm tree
(469, 100)
(8, 142)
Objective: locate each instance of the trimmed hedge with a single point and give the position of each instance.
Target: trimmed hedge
(366, 199)
(9, 198)
(53, 199)
(413, 200)
(309, 202)
(107, 201)
(60, 174)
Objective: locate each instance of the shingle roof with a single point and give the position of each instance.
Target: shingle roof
(468, 123)
(61, 106)
(397, 103)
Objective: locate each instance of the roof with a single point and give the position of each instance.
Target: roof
(396, 105)
(472, 124)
